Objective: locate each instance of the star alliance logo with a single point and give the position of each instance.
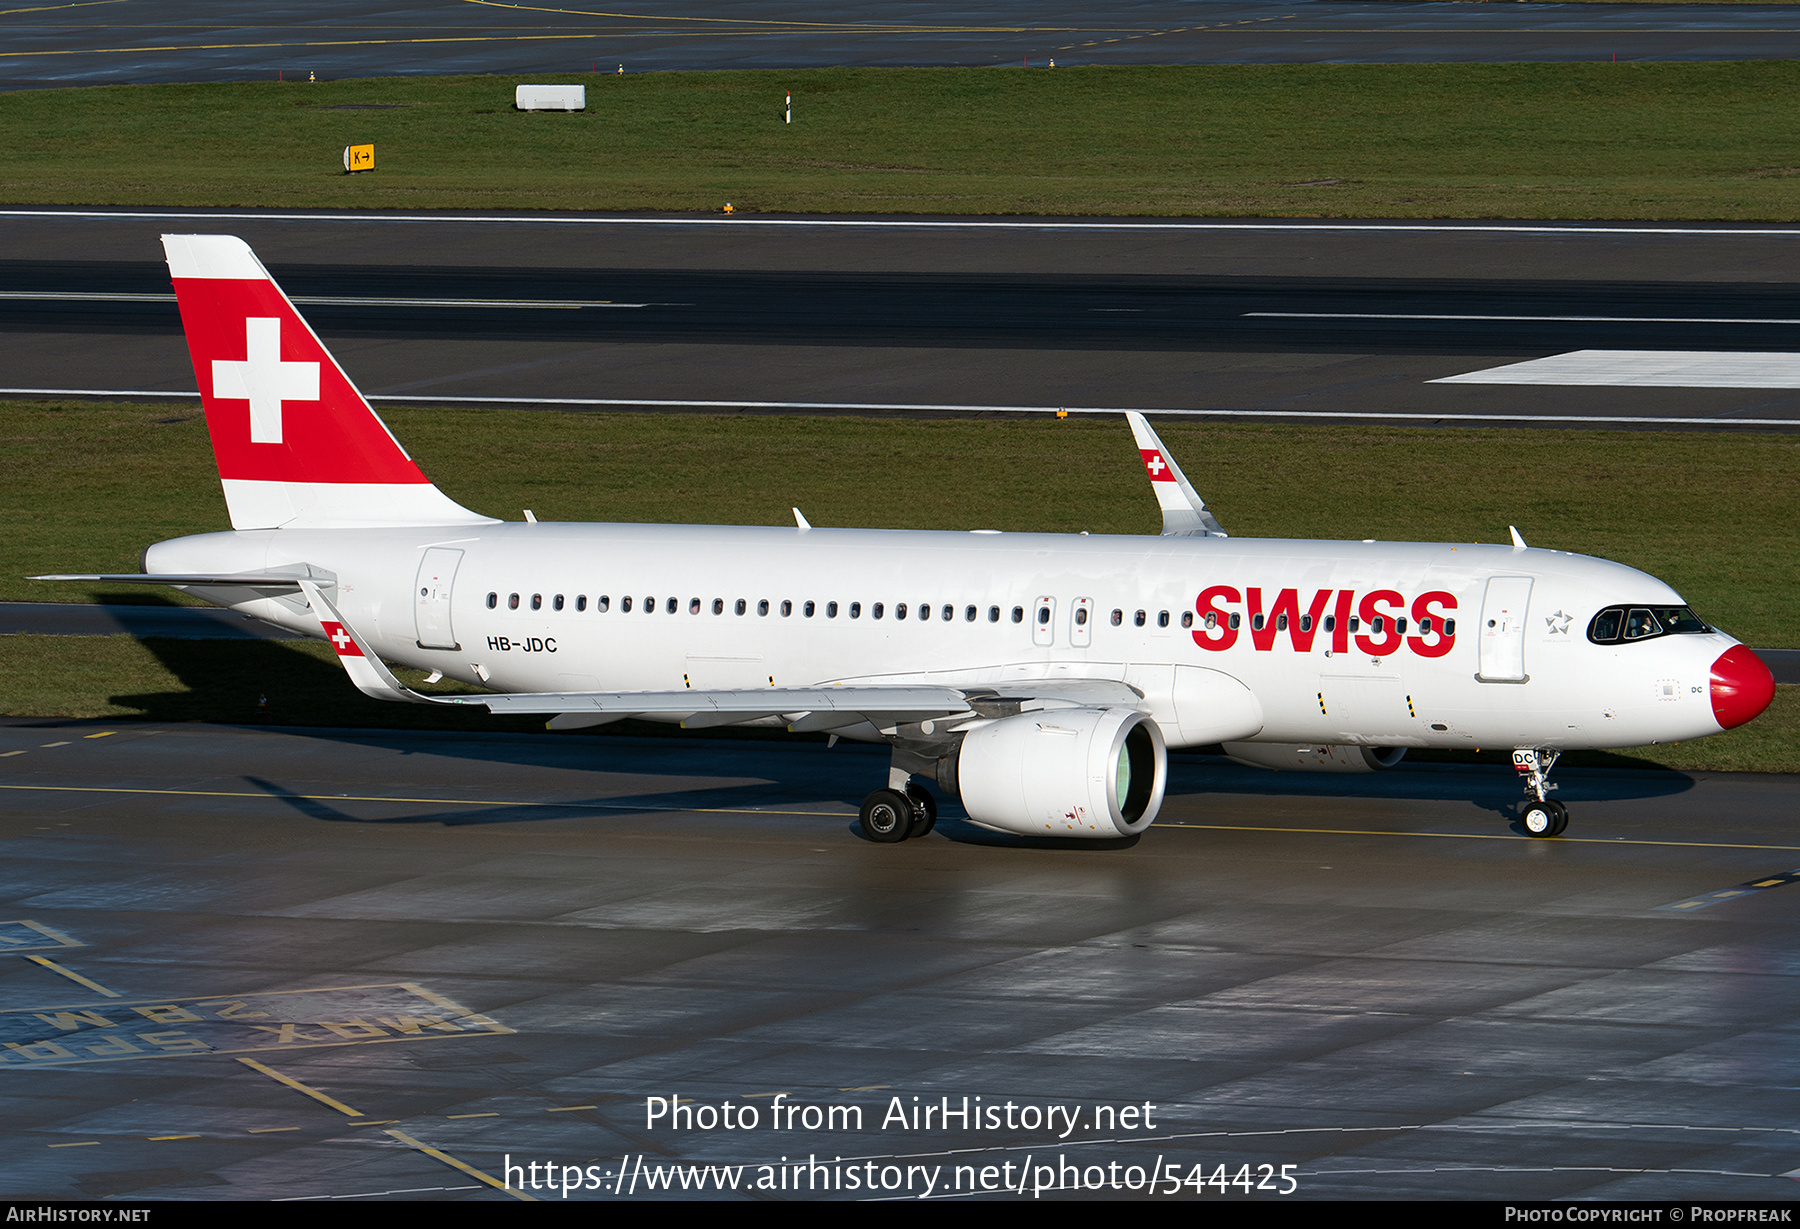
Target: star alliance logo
(1558, 623)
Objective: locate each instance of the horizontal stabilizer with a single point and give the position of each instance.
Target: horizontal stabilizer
(178, 579)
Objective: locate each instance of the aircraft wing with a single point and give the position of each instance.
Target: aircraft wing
(1185, 514)
(801, 709)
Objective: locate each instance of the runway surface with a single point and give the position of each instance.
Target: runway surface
(110, 41)
(1238, 318)
(267, 964)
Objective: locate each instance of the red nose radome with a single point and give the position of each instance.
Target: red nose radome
(1741, 686)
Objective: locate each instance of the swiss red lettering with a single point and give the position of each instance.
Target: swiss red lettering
(1287, 603)
(1387, 606)
(1222, 635)
(1432, 606)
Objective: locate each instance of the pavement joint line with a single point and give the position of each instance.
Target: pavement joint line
(606, 806)
(472, 802)
(453, 1117)
(1300, 225)
(1475, 836)
(73, 976)
(451, 1161)
(269, 1130)
(86, 1143)
(946, 408)
(568, 1109)
(158, 1138)
(297, 1086)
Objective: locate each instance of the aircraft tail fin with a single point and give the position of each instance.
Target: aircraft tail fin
(1185, 514)
(297, 446)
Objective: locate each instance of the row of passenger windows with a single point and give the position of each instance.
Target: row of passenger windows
(946, 613)
(878, 610)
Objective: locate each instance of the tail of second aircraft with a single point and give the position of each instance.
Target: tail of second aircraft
(297, 445)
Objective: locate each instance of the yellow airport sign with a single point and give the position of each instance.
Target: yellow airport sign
(359, 158)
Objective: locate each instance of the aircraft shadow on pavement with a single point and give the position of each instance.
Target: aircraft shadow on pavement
(273, 684)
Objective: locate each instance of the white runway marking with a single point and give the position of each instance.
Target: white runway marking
(1647, 369)
(864, 407)
(1527, 319)
(1511, 228)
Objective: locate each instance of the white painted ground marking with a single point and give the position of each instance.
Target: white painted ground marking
(1647, 369)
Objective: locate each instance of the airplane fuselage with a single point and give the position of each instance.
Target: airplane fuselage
(1379, 644)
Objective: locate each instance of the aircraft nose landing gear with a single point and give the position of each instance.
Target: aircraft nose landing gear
(1541, 817)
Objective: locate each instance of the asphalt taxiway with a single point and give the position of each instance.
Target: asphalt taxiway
(293, 964)
(1237, 318)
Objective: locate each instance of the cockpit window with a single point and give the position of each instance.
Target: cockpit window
(1628, 623)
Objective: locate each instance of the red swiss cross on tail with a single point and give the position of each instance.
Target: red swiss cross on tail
(340, 638)
(1156, 466)
(297, 445)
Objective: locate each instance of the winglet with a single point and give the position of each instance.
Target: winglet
(800, 520)
(1185, 514)
(366, 670)
(1518, 542)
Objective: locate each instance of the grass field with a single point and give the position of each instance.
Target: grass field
(1648, 141)
(85, 487)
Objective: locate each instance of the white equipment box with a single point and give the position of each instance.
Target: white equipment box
(550, 98)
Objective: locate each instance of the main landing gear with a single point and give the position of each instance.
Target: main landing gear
(890, 816)
(1542, 816)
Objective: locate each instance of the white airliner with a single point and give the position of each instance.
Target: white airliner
(1039, 677)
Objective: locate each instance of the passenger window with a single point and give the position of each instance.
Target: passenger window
(1449, 627)
(899, 610)
(581, 601)
(1331, 623)
(493, 601)
(1212, 620)
(993, 614)
(1081, 616)
(1118, 618)
(968, 614)
(625, 604)
(831, 610)
(718, 605)
(762, 607)
(741, 606)
(1281, 622)
(1236, 619)
(556, 603)
(1018, 614)
(1424, 627)
(1139, 619)
(948, 613)
(1187, 618)
(924, 610)
(1355, 623)
(856, 610)
(603, 603)
(673, 605)
(694, 606)
(787, 608)
(1400, 626)
(649, 605)
(1162, 618)
(1376, 625)
(537, 601)
(807, 610)
(1256, 622)
(1043, 615)
(874, 611)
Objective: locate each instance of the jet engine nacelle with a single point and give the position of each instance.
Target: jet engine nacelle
(1315, 758)
(1086, 772)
